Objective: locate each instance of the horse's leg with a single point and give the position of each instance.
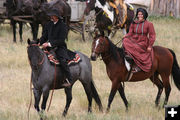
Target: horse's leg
(111, 97)
(13, 23)
(112, 94)
(37, 96)
(165, 79)
(88, 91)
(96, 96)
(45, 97)
(45, 92)
(68, 92)
(34, 27)
(36, 31)
(20, 31)
(109, 34)
(155, 79)
(122, 94)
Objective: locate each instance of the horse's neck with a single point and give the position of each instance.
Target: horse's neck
(108, 58)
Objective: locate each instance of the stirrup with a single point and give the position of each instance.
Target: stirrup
(68, 84)
(136, 69)
(129, 59)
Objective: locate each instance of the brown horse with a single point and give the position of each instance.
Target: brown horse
(164, 64)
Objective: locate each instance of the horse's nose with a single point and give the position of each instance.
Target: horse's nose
(93, 56)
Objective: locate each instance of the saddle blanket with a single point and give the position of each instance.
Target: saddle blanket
(74, 57)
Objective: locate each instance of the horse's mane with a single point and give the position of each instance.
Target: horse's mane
(113, 50)
(103, 2)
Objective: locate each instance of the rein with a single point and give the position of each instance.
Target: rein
(120, 41)
(105, 56)
(98, 12)
(42, 61)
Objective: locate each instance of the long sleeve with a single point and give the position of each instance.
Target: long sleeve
(61, 36)
(152, 34)
(130, 33)
(44, 36)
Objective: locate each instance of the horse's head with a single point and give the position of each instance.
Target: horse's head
(37, 3)
(41, 15)
(94, 5)
(10, 6)
(90, 5)
(34, 54)
(100, 46)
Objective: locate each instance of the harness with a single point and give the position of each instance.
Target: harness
(121, 7)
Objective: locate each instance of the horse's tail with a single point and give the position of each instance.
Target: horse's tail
(175, 70)
(96, 96)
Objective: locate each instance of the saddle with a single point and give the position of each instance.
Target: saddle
(121, 10)
(130, 61)
(74, 57)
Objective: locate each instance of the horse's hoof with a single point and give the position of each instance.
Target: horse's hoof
(127, 110)
(64, 114)
(107, 110)
(101, 109)
(89, 111)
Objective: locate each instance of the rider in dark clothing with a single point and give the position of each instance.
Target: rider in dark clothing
(54, 35)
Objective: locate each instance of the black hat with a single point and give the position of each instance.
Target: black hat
(54, 12)
(144, 12)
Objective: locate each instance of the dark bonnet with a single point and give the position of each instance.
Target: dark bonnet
(144, 12)
(54, 12)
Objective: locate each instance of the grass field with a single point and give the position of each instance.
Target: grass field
(15, 81)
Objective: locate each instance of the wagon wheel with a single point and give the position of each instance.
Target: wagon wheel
(89, 26)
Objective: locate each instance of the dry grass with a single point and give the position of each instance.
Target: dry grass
(15, 79)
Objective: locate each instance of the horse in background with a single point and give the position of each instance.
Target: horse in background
(41, 14)
(22, 8)
(64, 8)
(164, 64)
(11, 7)
(46, 77)
(106, 17)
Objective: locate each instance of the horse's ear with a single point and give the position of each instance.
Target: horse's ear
(96, 34)
(29, 41)
(38, 40)
(102, 34)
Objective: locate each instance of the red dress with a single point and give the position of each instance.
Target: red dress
(141, 36)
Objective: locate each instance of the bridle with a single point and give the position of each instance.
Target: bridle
(100, 53)
(41, 61)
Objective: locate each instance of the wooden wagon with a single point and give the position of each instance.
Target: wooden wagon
(84, 26)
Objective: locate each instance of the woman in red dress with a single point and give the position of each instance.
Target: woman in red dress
(139, 41)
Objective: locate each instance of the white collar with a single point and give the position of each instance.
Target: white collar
(55, 22)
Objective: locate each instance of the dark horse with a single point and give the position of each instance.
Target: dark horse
(23, 8)
(164, 64)
(103, 22)
(44, 80)
(63, 7)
